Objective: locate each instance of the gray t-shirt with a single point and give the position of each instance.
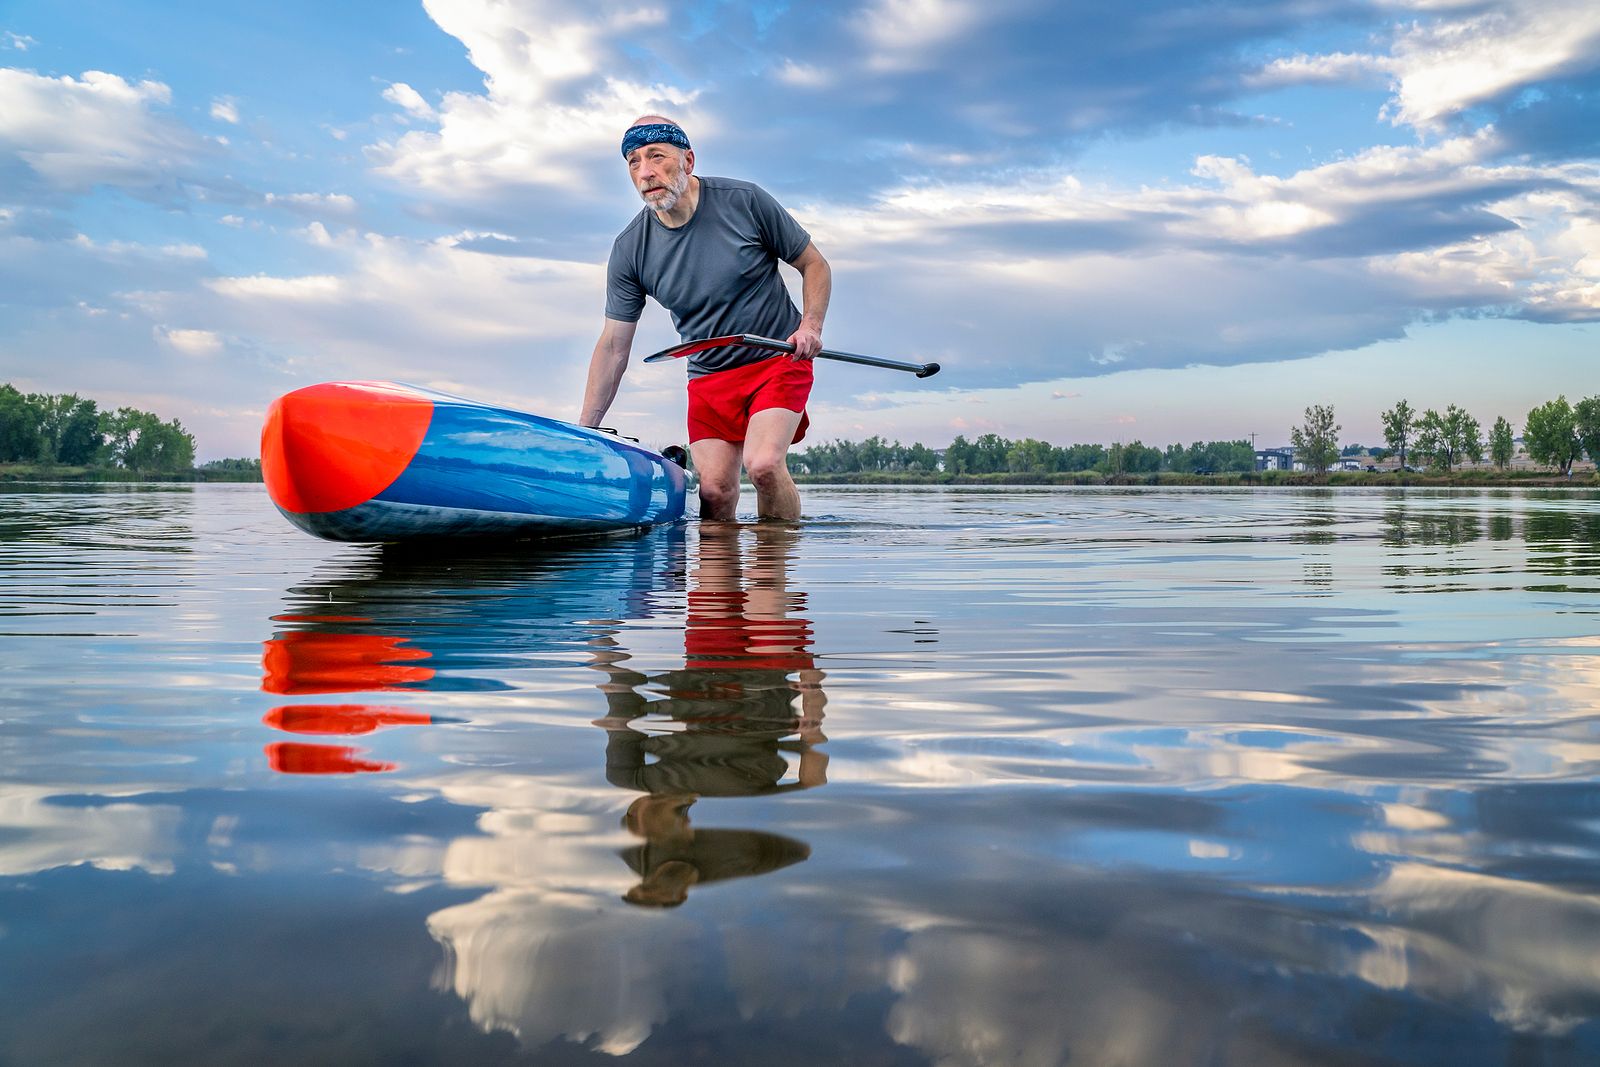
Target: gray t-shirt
(717, 274)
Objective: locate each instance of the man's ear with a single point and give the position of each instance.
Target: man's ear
(688, 161)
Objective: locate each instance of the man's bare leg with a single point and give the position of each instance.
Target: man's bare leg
(717, 464)
(766, 451)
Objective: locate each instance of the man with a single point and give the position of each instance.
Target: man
(708, 250)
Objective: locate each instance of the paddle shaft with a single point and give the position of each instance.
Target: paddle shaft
(921, 370)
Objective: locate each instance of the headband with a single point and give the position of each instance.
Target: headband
(653, 133)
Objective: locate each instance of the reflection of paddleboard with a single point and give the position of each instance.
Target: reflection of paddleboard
(378, 461)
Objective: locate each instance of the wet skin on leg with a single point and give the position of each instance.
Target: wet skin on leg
(717, 463)
(766, 450)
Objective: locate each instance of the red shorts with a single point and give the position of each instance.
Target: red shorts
(721, 403)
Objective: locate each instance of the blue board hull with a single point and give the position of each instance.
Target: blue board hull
(475, 470)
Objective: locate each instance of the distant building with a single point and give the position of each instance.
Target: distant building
(1275, 459)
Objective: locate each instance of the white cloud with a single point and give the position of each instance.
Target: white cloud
(1334, 67)
(408, 98)
(803, 76)
(551, 109)
(416, 310)
(42, 834)
(19, 42)
(262, 288)
(97, 130)
(225, 109)
(313, 205)
(125, 249)
(1248, 266)
(1460, 55)
(1452, 64)
(904, 34)
(196, 343)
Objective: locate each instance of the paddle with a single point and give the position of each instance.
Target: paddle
(689, 348)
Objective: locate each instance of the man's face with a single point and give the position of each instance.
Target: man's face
(661, 174)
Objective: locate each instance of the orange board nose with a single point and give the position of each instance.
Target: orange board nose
(332, 446)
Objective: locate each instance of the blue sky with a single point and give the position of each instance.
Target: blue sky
(1157, 220)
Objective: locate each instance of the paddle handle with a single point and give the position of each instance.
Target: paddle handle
(921, 370)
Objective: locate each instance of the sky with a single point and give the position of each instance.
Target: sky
(1154, 220)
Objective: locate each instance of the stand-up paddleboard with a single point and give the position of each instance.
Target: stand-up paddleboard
(380, 461)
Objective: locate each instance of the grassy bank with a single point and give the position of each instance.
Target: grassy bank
(48, 472)
(1473, 479)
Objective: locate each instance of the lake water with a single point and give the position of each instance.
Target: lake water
(942, 777)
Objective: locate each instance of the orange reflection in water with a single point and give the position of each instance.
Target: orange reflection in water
(314, 662)
(297, 757)
(346, 719)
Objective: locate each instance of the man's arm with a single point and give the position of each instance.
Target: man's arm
(606, 367)
(816, 286)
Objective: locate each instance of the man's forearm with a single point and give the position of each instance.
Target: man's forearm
(606, 367)
(816, 288)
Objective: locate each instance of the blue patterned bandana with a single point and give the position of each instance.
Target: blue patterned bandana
(653, 133)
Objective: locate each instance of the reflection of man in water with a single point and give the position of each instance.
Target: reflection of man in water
(675, 856)
(749, 691)
(746, 660)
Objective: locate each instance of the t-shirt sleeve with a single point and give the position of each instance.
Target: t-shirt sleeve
(624, 291)
(779, 230)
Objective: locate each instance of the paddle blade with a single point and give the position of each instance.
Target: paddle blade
(689, 348)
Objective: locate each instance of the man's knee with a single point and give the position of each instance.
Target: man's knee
(768, 471)
(719, 494)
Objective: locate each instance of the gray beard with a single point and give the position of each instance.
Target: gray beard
(675, 190)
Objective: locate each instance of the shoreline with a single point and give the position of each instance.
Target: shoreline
(29, 472)
(39, 472)
(1252, 479)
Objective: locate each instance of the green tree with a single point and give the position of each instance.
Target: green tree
(1237, 456)
(1464, 435)
(1031, 456)
(1431, 441)
(919, 457)
(991, 452)
(958, 457)
(233, 465)
(1551, 435)
(1316, 441)
(1398, 423)
(1502, 443)
(1115, 459)
(21, 423)
(1449, 438)
(140, 441)
(1142, 459)
(1081, 457)
(69, 428)
(1587, 413)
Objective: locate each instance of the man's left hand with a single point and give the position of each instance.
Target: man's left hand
(807, 342)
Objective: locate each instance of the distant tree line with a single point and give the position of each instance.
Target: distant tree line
(242, 465)
(70, 430)
(993, 454)
(1555, 434)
